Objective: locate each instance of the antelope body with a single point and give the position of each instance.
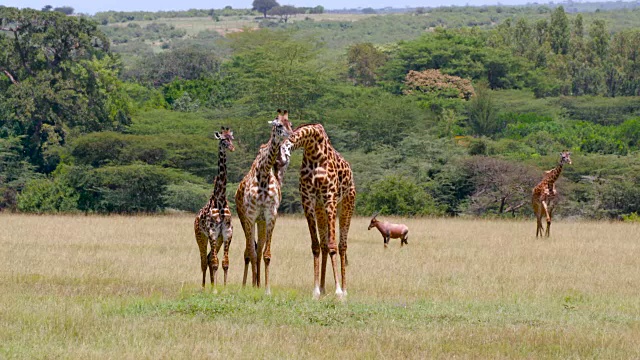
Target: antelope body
(390, 231)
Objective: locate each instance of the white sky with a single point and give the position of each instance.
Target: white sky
(91, 7)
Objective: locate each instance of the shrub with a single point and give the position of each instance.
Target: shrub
(398, 196)
(47, 196)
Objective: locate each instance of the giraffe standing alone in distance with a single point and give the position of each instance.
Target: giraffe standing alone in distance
(328, 192)
(545, 194)
(257, 200)
(213, 222)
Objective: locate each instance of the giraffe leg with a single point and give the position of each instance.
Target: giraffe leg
(201, 239)
(262, 237)
(219, 242)
(331, 220)
(344, 216)
(227, 234)
(213, 255)
(546, 211)
(538, 213)
(250, 256)
(550, 208)
(308, 204)
(267, 253)
(323, 235)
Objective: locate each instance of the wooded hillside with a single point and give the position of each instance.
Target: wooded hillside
(445, 111)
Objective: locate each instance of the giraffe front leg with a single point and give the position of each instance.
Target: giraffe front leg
(309, 212)
(215, 241)
(331, 220)
(250, 255)
(323, 232)
(227, 236)
(262, 237)
(344, 216)
(267, 254)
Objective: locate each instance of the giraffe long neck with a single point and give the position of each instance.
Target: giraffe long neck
(268, 159)
(554, 174)
(308, 137)
(220, 187)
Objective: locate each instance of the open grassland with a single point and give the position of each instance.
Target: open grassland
(128, 287)
(229, 24)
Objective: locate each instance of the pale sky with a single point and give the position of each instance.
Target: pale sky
(91, 7)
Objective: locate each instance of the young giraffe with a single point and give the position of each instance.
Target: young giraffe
(328, 191)
(545, 193)
(257, 200)
(213, 222)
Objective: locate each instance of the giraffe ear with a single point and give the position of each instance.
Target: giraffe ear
(217, 135)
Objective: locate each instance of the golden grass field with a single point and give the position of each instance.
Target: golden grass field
(119, 287)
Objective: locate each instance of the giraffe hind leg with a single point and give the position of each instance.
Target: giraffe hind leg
(201, 239)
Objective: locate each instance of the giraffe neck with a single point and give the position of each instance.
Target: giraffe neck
(309, 137)
(554, 174)
(220, 187)
(268, 157)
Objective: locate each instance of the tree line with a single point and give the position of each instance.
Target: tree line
(452, 122)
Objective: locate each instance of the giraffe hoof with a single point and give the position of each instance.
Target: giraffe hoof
(340, 294)
(316, 294)
(267, 292)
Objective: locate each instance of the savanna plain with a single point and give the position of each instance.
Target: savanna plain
(129, 287)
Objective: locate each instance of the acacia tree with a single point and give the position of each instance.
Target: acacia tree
(284, 12)
(276, 69)
(364, 60)
(264, 6)
(500, 187)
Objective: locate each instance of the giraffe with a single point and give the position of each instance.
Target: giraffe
(213, 222)
(545, 194)
(328, 191)
(257, 200)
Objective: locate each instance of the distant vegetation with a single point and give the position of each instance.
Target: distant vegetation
(441, 111)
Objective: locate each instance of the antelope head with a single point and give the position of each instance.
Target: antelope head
(374, 221)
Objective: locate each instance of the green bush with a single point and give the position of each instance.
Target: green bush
(399, 196)
(48, 196)
(187, 196)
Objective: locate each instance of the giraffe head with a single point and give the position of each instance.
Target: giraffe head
(226, 138)
(565, 157)
(281, 125)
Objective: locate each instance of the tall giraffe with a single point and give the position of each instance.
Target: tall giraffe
(257, 200)
(328, 191)
(545, 194)
(213, 222)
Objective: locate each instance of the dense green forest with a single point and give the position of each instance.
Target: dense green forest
(444, 111)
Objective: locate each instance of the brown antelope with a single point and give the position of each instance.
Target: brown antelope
(390, 231)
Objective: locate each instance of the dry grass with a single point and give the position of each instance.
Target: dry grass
(229, 24)
(128, 287)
